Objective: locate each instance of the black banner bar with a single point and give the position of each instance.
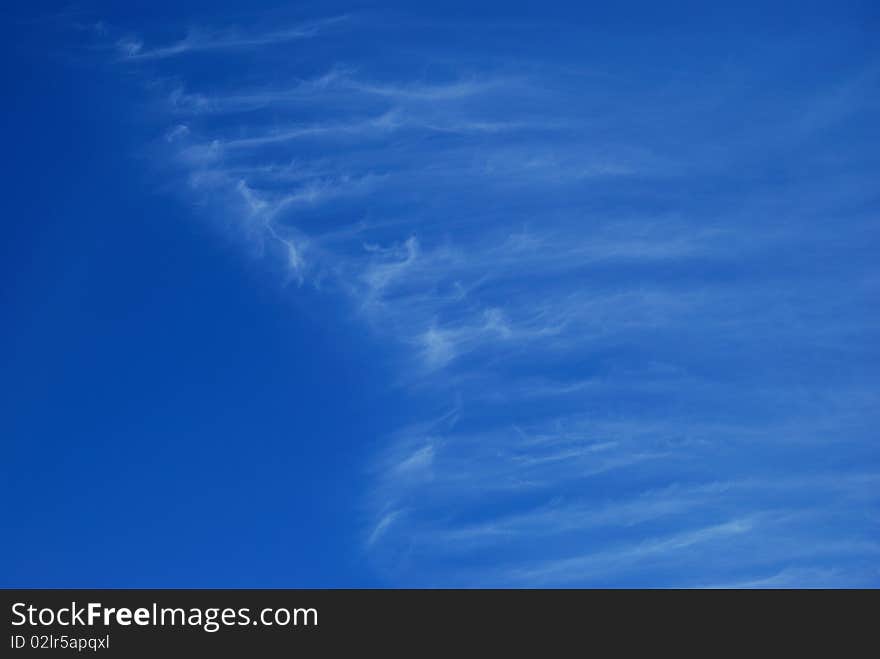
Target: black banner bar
(265, 623)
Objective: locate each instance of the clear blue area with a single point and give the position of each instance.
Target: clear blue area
(463, 294)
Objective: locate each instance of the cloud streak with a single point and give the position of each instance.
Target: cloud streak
(206, 40)
(649, 322)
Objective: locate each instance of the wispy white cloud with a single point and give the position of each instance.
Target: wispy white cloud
(382, 526)
(204, 40)
(632, 324)
(340, 82)
(809, 577)
(589, 567)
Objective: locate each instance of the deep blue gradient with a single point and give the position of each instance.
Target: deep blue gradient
(510, 294)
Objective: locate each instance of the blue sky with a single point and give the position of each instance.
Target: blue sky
(341, 294)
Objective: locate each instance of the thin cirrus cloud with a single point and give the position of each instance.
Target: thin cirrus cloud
(206, 40)
(633, 311)
(337, 81)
